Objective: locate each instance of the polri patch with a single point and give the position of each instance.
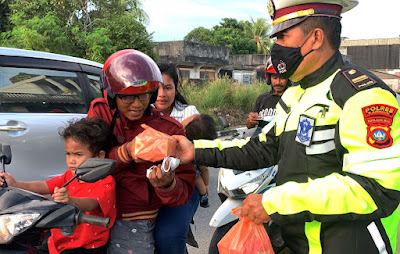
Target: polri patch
(305, 130)
(379, 118)
(358, 79)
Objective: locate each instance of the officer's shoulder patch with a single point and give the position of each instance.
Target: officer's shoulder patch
(379, 119)
(358, 79)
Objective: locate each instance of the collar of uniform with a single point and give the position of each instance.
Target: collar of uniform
(334, 63)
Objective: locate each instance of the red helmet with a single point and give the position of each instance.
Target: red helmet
(130, 71)
(269, 69)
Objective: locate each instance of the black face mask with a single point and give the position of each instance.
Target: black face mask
(286, 60)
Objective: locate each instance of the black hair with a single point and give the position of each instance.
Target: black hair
(330, 25)
(173, 71)
(94, 132)
(201, 127)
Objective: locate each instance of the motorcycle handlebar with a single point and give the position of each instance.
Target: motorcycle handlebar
(93, 220)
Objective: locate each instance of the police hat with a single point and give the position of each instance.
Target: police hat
(288, 13)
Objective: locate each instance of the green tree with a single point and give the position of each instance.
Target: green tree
(258, 31)
(4, 16)
(83, 28)
(229, 33)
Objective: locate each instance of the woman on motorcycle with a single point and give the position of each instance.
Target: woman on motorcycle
(131, 80)
(173, 223)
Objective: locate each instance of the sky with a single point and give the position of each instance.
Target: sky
(171, 20)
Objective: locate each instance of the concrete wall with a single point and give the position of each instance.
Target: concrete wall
(379, 54)
(170, 51)
(370, 42)
(191, 53)
(248, 60)
(205, 54)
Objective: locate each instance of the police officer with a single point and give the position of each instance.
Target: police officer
(264, 108)
(338, 137)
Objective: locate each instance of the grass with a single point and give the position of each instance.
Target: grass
(224, 97)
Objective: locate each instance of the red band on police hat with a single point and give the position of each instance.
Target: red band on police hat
(302, 10)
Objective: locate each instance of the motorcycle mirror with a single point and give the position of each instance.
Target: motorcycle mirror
(93, 169)
(223, 121)
(5, 154)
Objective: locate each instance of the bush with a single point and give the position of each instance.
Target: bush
(224, 97)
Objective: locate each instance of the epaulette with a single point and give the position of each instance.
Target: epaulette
(358, 78)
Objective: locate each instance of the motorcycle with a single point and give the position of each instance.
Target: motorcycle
(234, 186)
(26, 217)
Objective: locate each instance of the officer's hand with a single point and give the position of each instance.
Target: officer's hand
(252, 209)
(184, 149)
(251, 121)
(158, 180)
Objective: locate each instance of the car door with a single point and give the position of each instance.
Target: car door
(34, 104)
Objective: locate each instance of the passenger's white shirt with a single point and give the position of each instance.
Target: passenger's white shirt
(182, 111)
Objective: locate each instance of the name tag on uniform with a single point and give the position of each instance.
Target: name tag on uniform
(305, 130)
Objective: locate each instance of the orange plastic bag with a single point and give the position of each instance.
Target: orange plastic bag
(245, 237)
(153, 145)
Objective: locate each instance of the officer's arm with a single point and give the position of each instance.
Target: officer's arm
(241, 154)
(368, 186)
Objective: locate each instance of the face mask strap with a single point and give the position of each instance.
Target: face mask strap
(305, 43)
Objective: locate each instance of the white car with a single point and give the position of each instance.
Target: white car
(39, 93)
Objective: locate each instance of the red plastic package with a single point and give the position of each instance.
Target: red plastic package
(153, 145)
(245, 237)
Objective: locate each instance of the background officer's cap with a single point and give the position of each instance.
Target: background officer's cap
(287, 13)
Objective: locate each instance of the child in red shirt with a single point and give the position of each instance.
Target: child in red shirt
(85, 138)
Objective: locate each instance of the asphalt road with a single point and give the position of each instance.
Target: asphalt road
(201, 230)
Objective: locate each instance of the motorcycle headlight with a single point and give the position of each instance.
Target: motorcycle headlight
(251, 186)
(13, 224)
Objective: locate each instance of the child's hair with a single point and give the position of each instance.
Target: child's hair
(94, 132)
(201, 127)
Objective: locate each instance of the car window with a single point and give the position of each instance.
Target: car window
(40, 91)
(95, 87)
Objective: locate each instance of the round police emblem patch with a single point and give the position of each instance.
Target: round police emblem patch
(379, 135)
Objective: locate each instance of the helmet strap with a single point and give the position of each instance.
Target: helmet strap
(112, 126)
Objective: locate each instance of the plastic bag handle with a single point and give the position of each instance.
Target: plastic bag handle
(237, 212)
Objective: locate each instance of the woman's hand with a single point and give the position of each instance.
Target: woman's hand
(160, 180)
(130, 148)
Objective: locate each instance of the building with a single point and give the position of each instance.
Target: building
(205, 61)
(381, 56)
(195, 60)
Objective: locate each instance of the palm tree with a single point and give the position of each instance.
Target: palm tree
(258, 31)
